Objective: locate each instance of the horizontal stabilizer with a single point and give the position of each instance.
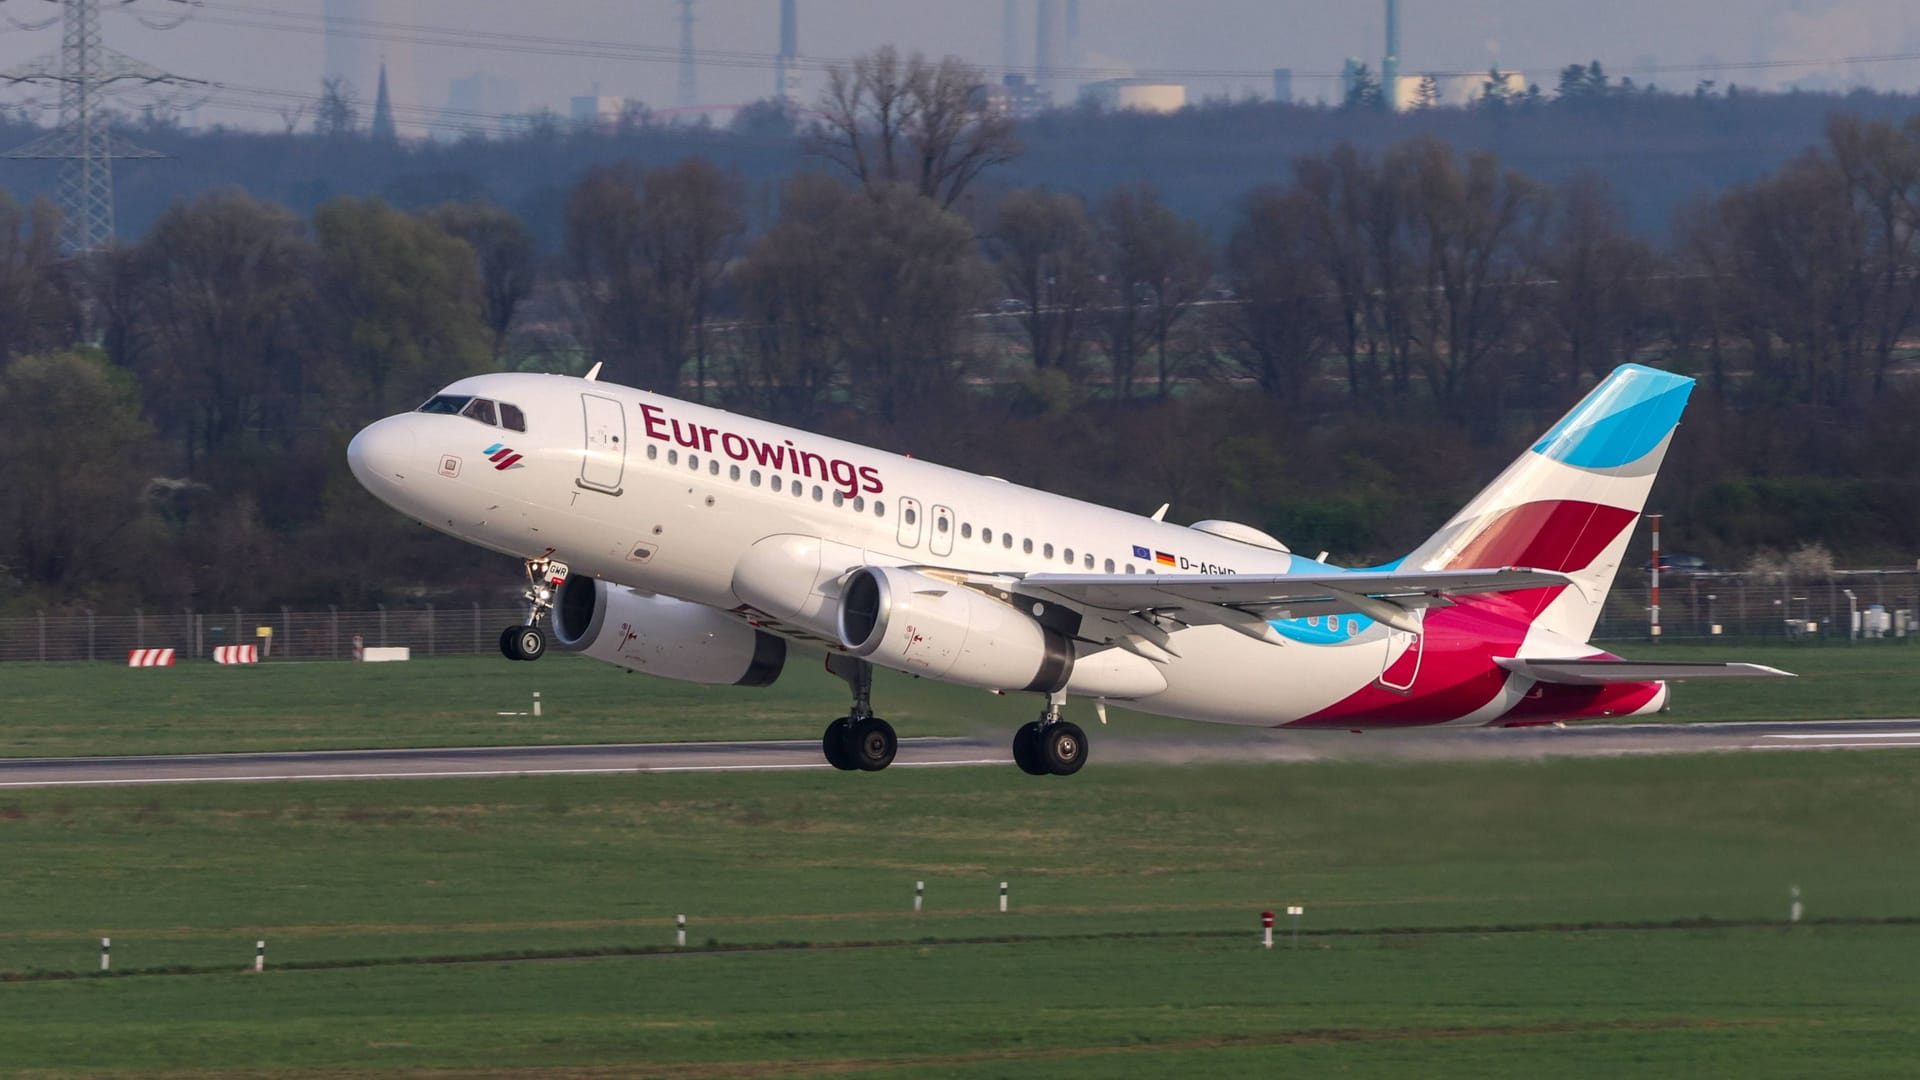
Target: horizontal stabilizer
(1601, 672)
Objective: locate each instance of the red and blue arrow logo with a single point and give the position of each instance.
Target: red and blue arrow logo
(503, 457)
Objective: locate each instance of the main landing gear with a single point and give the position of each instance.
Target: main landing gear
(859, 741)
(545, 575)
(1050, 746)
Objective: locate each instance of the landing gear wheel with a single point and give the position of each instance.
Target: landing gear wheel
(1026, 749)
(872, 744)
(528, 643)
(508, 644)
(835, 744)
(1063, 748)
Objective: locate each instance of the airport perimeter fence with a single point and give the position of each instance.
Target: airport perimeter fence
(1858, 605)
(1850, 605)
(294, 635)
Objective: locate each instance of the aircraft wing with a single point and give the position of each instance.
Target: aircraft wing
(1245, 602)
(1601, 672)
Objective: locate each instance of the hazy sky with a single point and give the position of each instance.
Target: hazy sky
(1233, 42)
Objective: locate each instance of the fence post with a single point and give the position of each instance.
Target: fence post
(383, 624)
(187, 641)
(333, 619)
(90, 656)
(286, 628)
(139, 628)
(476, 628)
(43, 637)
(238, 637)
(430, 621)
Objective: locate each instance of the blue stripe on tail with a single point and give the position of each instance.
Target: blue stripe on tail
(1623, 420)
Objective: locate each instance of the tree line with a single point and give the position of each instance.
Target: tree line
(1358, 348)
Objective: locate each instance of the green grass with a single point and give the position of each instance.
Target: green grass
(79, 709)
(1130, 949)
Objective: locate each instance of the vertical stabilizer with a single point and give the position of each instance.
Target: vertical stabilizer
(1570, 502)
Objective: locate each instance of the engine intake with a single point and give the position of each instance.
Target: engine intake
(910, 622)
(663, 636)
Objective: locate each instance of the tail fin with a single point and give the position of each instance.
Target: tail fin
(1569, 503)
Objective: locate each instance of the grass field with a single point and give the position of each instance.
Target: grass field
(74, 709)
(1444, 910)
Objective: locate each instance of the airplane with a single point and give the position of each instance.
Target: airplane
(690, 543)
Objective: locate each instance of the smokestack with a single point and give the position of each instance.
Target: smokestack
(1010, 37)
(688, 92)
(1390, 64)
(785, 78)
(1043, 58)
(1073, 34)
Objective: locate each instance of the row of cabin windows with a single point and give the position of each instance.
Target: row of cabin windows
(776, 483)
(490, 413)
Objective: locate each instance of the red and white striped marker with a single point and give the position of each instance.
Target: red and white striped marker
(1266, 929)
(150, 658)
(259, 956)
(236, 654)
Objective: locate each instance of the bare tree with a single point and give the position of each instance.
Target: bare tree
(1158, 264)
(1594, 305)
(503, 245)
(645, 254)
(1045, 248)
(1285, 318)
(917, 122)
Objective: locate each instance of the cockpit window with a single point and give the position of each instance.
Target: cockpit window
(512, 418)
(450, 404)
(482, 410)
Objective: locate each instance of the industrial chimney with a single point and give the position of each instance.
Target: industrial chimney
(1390, 64)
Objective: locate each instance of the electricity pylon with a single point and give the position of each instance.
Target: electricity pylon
(86, 71)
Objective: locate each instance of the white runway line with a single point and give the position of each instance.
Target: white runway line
(1915, 745)
(477, 773)
(1850, 735)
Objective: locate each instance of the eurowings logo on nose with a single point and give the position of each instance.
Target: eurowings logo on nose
(503, 457)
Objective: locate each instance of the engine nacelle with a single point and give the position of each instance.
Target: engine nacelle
(914, 623)
(663, 636)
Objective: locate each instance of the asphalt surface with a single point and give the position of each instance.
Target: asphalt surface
(1600, 740)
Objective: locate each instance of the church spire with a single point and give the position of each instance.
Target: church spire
(383, 129)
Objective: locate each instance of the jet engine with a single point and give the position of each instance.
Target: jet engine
(663, 636)
(910, 622)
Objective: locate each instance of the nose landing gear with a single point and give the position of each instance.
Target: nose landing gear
(545, 575)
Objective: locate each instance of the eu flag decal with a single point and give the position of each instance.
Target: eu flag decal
(1141, 553)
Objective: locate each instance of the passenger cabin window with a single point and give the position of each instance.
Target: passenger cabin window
(512, 418)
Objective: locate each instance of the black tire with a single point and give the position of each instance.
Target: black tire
(509, 639)
(835, 745)
(872, 744)
(1063, 748)
(1026, 749)
(529, 642)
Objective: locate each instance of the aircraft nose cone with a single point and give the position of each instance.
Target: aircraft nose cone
(382, 454)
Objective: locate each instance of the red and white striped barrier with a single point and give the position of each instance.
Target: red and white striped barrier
(236, 654)
(150, 658)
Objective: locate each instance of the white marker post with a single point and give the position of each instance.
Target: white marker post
(1266, 929)
(1295, 911)
(1003, 898)
(1793, 913)
(919, 890)
(106, 944)
(259, 956)
(680, 931)
(536, 703)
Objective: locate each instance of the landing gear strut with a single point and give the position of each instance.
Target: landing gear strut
(859, 741)
(1050, 746)
(545, 575)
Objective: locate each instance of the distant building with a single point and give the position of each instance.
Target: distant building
(1014, 95)
(1139, 95)
(1453, 90)
(479, 104)
(594, 110)
(1282, 85)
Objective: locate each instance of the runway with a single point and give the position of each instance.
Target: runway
(1209, 745)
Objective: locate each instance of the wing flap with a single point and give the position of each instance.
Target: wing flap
(1602, 672)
